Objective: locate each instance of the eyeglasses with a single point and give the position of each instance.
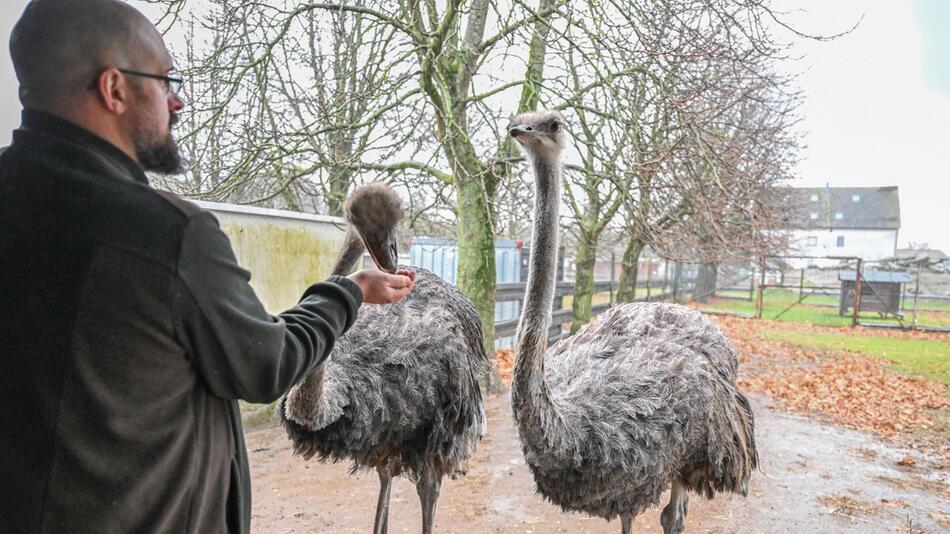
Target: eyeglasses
(173, 81)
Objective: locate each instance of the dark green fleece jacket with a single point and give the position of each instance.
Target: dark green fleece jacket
(127, 333)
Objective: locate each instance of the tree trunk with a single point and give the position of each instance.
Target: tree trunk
(705, 281)
(476, 249)
(677, 278)
(628, 270)
(338, 187)
(339, 178)
(583, 281)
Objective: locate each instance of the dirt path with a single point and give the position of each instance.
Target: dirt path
(814, 478)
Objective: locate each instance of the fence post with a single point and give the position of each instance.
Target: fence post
(666, 276)
(760, 300)
(649, 276)
(613, 258)
(752, 284)
(801, 284)
(857, 294)
(903, 307)
(913, 322)
(677, 272)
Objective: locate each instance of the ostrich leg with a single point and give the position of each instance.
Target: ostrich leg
(673, 517)
(626, 523)
(428, 489)
(382, 506)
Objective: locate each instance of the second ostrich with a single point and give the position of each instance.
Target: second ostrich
(399, 392)
(642, 400)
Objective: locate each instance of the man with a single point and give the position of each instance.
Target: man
(127, 329)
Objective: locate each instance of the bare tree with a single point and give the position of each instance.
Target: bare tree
(293, 103)
(719, 194)
(661, 105)
(296, 96)
(593, 84)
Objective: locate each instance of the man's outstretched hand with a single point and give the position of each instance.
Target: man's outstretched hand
(384, 288)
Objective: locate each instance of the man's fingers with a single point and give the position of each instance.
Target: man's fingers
(401, 293)
(407, 272)
(382, 288)
(400, 280)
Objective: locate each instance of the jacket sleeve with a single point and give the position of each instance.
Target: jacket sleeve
(240, 350)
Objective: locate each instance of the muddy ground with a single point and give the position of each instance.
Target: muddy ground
(815, 478)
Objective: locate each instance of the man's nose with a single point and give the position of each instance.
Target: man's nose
(175, 103)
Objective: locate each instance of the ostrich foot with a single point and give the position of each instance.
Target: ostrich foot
(428, 489)
(382, 505)
(626, 523)
(673, 517)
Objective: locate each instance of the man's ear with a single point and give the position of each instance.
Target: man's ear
(112, 89)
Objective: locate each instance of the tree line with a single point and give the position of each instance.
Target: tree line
(682, 122)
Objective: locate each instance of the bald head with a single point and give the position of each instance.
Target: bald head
(58, 46)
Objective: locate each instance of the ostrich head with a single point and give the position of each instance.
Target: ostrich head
(374, 210)
(540, 134)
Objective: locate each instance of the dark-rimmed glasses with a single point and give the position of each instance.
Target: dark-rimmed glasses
(173, 80)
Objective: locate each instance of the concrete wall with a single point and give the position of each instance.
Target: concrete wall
(285, 251)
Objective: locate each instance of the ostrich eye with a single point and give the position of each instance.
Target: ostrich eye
(555, 127)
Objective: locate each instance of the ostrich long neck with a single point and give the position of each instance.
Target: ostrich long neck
(304, 398)
(351, 252)
(529, 392)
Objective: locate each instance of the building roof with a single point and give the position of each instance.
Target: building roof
(876, 276)
(921, 253)
(865, 208)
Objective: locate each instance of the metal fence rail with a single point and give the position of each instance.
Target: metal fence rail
(833, 291)
(509, 327)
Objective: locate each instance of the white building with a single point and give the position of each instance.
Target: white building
(832, 222)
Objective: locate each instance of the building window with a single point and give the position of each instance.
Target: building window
(855, 198)
(839, 216)
(813, 215)
(814, 197)
(812, 241)
(840, 242)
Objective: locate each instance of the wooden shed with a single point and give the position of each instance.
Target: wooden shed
(880, 291)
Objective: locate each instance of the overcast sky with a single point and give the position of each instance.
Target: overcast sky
(877, 108)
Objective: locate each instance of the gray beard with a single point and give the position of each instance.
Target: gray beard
(162, 156)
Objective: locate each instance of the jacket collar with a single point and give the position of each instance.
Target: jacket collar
(42, 123)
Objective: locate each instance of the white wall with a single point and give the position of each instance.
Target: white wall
(867, 244)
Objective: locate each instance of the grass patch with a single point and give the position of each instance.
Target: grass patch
(788, 296)
(783, 296)
(816, 315)
(928, 358)
(596, 299)
(924, 303)
(924, 318)
(257, 415)
(819, 310)
(736, 294)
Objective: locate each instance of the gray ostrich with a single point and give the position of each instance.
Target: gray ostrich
(640, 400)
(399, 392)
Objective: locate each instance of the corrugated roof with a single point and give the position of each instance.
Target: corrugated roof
(876, 276)
(875, 208)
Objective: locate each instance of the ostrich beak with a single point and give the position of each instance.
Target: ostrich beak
(385, 255)
(520, 129)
